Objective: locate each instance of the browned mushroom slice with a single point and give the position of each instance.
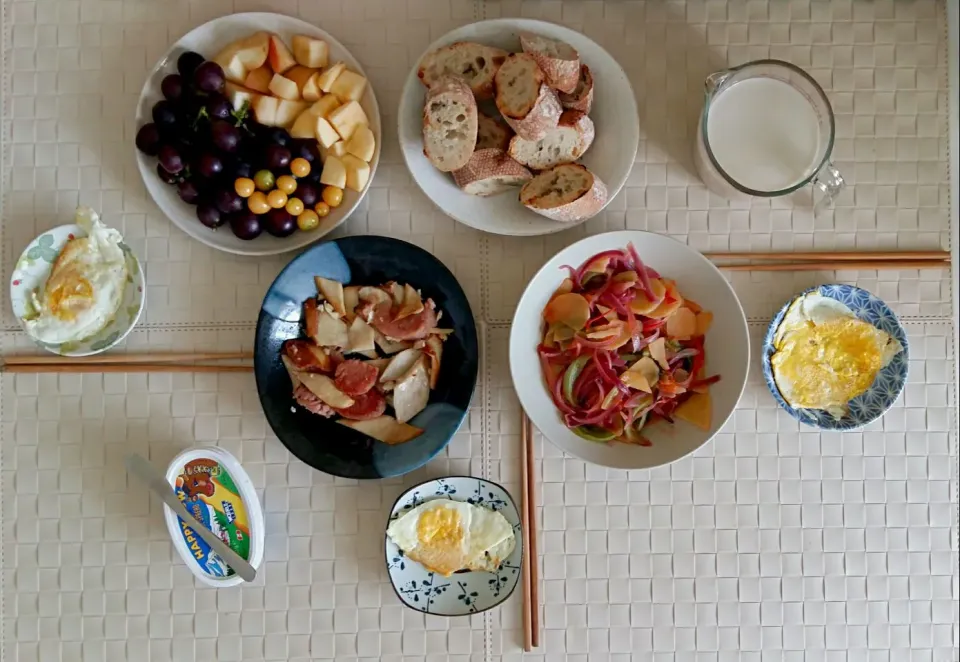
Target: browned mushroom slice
(324, 388)
(330, 331)
(412, 303)
(411, 393)
(400, 365)
(332, 291)
(384, 428)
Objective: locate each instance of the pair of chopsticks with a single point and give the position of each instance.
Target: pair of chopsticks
(148, 362)
(531, 558)
(826, 261)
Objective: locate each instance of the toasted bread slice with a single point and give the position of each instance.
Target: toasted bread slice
(560, 61)
(567, 193)
(490, 172)
(449, 124)
(477, 64)
(565, 144)
(527, 104)
(582, 97)
(492, 133)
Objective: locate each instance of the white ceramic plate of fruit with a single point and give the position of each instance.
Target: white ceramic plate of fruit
(295, 80)
(613, 112)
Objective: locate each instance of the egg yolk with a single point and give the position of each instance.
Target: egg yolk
(70, 296)
(828, 364)
(440, 534)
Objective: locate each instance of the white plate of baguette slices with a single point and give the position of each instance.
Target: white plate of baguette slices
(312, 64)
(518, 127)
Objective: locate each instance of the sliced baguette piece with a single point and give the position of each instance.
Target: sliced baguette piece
(490, 172)
(527, 104)
(566, 193)
(492, 133)
(560, 61)
(582, 97)
(449, 124)
(565, 144)
(477, 64)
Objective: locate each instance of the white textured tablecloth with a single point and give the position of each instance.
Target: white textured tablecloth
(774, 542)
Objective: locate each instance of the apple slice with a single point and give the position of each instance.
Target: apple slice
(231, 63)
(329, 76)
(305, 126)
(280, 57)
(288, 111)
(358, 172)
(325, 134)
(349, 86)
(325, 105)
(259, 80)
(570, 309)
(310, 90)
(337, 149)
(334, 172)
(300, 75)
(284, 88)
(253, 50)
(347, 118)
(310, 52)
(265, 110)
(240, 95)
(362, 144)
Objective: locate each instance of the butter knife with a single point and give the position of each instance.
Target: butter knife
(158, 484)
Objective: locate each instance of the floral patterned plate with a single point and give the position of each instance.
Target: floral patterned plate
(465, 592)
(32, 270)
(887, 386)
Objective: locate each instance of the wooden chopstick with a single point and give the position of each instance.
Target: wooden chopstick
(101, 359)
(837, 265)
(532, 521)
(525, 536)
(834, 257)
(62, 368)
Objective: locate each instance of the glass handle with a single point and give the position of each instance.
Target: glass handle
(829, 182)
(714, 81)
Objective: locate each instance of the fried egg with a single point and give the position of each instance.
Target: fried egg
(825, 356)
(85, 287)
(445, 536)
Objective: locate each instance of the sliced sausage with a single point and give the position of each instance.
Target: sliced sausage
(307, 356)
(355, 377)
(369, 405)
(309, 401)
(412, 327)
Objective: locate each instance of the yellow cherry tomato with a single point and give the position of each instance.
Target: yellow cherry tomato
(308, 220)
(257, 203)
(276, 198)
(287, 184)
(244, 187)
(322, 209)
(300, 167)
(294, 206)
(333, 196)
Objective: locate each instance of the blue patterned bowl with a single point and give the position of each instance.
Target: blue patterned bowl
(465, 592)
(885, 389)
(321, 442)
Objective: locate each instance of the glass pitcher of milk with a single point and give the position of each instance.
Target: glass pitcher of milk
(767, 130)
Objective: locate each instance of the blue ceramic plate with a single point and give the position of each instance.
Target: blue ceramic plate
(886, 387)
(364, 260)
(465, 592)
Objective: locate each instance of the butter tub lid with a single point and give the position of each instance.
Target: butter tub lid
(216, 490)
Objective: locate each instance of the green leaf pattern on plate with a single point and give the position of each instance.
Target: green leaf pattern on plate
(43, 250)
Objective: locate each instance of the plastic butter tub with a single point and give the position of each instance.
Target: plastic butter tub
(216, 490)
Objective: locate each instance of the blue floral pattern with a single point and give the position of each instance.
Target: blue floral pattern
(889, 383)
(465, 592)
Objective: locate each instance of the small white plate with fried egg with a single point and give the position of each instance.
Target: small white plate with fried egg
(77, 289)
(442, 525)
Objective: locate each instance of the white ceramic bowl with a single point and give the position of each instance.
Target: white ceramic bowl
(611, 156)
(727, 346)
(462, 593)
(32, 271)
(208, 39)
